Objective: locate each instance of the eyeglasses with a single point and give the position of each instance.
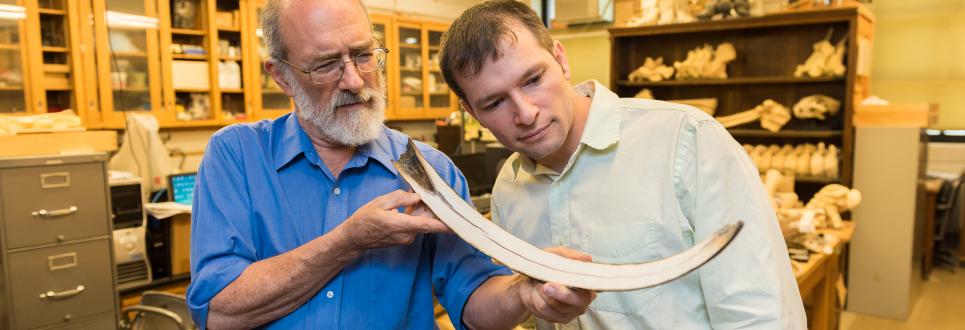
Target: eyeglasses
(331, 71)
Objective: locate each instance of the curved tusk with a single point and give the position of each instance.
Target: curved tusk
(534, 262)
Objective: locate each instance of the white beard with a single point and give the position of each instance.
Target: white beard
(349, 129)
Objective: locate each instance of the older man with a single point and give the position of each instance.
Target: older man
(626, 180)
(296, 222)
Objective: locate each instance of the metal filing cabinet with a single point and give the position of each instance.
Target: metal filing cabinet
(56, 262)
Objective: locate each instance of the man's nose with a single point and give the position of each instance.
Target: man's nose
(526, 111)
(351, 78)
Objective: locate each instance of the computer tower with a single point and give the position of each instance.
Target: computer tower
(130, 248)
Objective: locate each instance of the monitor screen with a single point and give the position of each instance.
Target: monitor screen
(181, 188)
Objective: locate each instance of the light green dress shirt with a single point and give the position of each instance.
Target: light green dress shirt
(648, 180)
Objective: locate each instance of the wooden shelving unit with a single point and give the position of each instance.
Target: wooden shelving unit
(732, 81)
(768, 50)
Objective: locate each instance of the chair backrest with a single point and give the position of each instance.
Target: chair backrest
(172, 302)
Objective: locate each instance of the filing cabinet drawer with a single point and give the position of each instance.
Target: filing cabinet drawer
(47, 204)
(101, 322)
(52, 285)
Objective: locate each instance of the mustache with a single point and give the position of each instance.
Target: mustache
(346, 98)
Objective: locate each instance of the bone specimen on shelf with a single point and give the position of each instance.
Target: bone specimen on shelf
(790, 161)
(644, 94)
(772, 115)
(757, 155)
(817, 161)
(816, 106)
(652, 70)
(804, 159)
(662, 12)
(831, 162)
(826, 60)
(649, 14)
(705, 62)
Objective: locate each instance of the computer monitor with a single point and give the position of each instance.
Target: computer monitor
(181, 187)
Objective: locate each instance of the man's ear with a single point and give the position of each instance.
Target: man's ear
(275, 71)
(465, 105)
(559, 54)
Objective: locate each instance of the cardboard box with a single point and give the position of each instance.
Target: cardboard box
(190, 75)
(908, 114)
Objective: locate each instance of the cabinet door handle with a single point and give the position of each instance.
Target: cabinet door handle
(55, 213)
(62, 294)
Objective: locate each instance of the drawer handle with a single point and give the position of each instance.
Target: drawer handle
(62, 294)
(55, 213)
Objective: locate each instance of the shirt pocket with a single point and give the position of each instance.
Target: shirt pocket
(622, 243)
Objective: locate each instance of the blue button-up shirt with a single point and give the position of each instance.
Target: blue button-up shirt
(262, 190)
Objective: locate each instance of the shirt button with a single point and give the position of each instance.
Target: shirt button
(330, 294)
(337, 192)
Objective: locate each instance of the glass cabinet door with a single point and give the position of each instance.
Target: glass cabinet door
(128, 70)
(439, 96)
(58, 57)
(273, 102)
(381, 30)
(411, 85)
(13, 95)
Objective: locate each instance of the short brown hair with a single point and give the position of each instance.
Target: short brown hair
(475, 36)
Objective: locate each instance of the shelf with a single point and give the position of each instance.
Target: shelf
(189, 32)
(192, 90)
(760, 133)
(812, 16)
(232, 90)
(433, 47)
(410, 46)
(410, 70)
(410, 94)
(130, 90)
(439, 94)
(129, 54)
(11, 88)
(9, 47)
(266, 90)
(811, 179)
(229, 29)
(730, 81)
(49, 11)
(59, 89)
(52, 49)
(189, 57)
(236, 58)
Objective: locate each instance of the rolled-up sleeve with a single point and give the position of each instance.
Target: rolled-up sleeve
(221, 246)
(458, 268)
(750, 284)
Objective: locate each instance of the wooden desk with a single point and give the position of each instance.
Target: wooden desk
(817, 280)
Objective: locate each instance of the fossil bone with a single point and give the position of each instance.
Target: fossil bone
(772, 115)
(652, 70)
(816, 106)
(827, 60)
(705, 62)
(527, 259)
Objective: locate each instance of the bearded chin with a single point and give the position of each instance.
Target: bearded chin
(350, 128)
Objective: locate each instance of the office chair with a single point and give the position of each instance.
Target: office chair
(158, 311)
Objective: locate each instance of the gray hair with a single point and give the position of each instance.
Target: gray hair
(270, 18)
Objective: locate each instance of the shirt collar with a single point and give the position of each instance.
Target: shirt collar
(293, 141)
(602, 128)
(290, 141)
